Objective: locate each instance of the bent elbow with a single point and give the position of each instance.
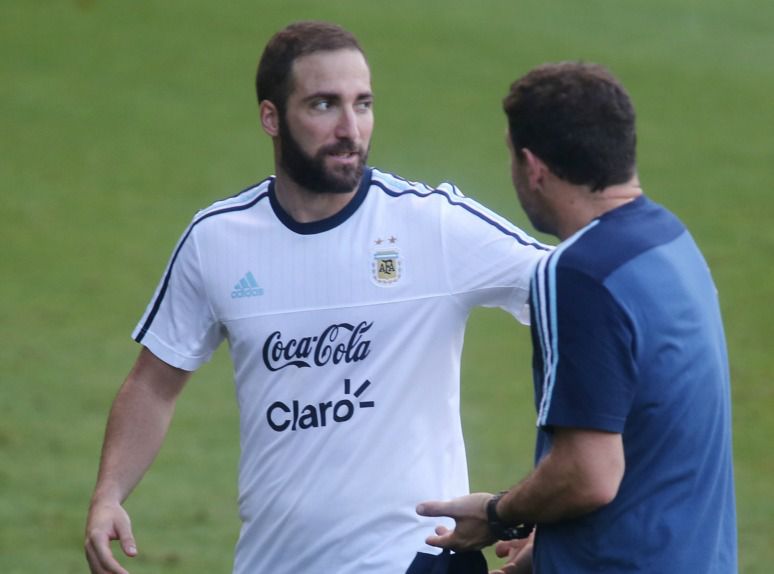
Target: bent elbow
(605, 493)
(601, 488)
(605, 488)
(595, 496)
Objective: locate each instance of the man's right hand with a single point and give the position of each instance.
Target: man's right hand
(107, 522)
(518, 555)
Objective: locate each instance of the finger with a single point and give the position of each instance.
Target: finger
(100, 556)
(442, 541)
(505, 548)
(444, 538)
(502, 549)
(434, 508)
(505, 569)
(94, 566)
(125, 535)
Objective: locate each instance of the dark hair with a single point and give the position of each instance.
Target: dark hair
(578, 119)
(273, 79)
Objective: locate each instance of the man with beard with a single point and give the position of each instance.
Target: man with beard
(343, 292)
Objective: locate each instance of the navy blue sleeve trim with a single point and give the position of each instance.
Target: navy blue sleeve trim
(466, 207)
(165, 282)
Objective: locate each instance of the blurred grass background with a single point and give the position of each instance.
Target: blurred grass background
(120, 120)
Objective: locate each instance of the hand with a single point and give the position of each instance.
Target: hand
(469, 512)
(108, 522)
(518, 554)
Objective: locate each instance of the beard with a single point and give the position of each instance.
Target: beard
(310, 171)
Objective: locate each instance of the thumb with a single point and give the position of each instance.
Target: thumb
(433, 508)
(124, 531)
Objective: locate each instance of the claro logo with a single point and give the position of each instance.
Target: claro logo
(339, 343)
(296, 416)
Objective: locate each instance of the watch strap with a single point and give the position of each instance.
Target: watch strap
(500, 529)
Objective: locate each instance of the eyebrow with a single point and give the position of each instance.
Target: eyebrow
(335, 96)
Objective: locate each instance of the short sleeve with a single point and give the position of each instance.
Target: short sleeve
(489, 260)
(178, 325)
(588, 377)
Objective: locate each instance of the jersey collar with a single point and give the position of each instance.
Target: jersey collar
(324, 224)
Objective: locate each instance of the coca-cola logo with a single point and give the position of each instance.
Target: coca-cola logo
(339, 343)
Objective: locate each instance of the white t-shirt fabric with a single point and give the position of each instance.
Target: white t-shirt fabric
(346, 336)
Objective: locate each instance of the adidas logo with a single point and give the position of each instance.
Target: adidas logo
(247, 287)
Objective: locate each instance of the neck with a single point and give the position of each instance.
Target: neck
(306, 206)
(583, 206)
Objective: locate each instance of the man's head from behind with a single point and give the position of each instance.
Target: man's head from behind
(578, 119)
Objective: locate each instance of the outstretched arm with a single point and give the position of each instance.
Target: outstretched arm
(581, 473)
(136, 428)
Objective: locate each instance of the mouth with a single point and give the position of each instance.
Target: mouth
(347, 156)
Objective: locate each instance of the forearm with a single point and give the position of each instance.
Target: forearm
(580, 474)
(135, 430)
(545, 495)
(137, 425)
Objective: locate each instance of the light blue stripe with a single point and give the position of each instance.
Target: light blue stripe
(537, 304)
(545, 336)
(549, 303)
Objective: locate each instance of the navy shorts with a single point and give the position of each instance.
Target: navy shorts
(448, 563)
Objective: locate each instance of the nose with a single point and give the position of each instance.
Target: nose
(347, 125)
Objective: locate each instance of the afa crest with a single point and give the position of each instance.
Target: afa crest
(386, 267)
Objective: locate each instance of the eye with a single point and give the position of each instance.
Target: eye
(364, 105)
(321, 105)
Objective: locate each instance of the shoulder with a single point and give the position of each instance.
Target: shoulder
(395, 186)
(210, 217)
(458, 211)
(242, 201)
(616, 238)
(421, 199)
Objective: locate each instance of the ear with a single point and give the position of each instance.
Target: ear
(269, 118)
(536, 169)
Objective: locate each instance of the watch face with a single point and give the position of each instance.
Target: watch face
(519, 531)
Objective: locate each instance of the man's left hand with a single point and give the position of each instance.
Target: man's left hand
(469, 512)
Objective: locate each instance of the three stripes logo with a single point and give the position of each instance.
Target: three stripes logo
(247, 287)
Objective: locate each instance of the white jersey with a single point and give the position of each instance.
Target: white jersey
(346, 336)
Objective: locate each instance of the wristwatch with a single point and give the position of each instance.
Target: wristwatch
(501, 530)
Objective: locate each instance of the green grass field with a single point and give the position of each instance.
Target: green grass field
(120, 120)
